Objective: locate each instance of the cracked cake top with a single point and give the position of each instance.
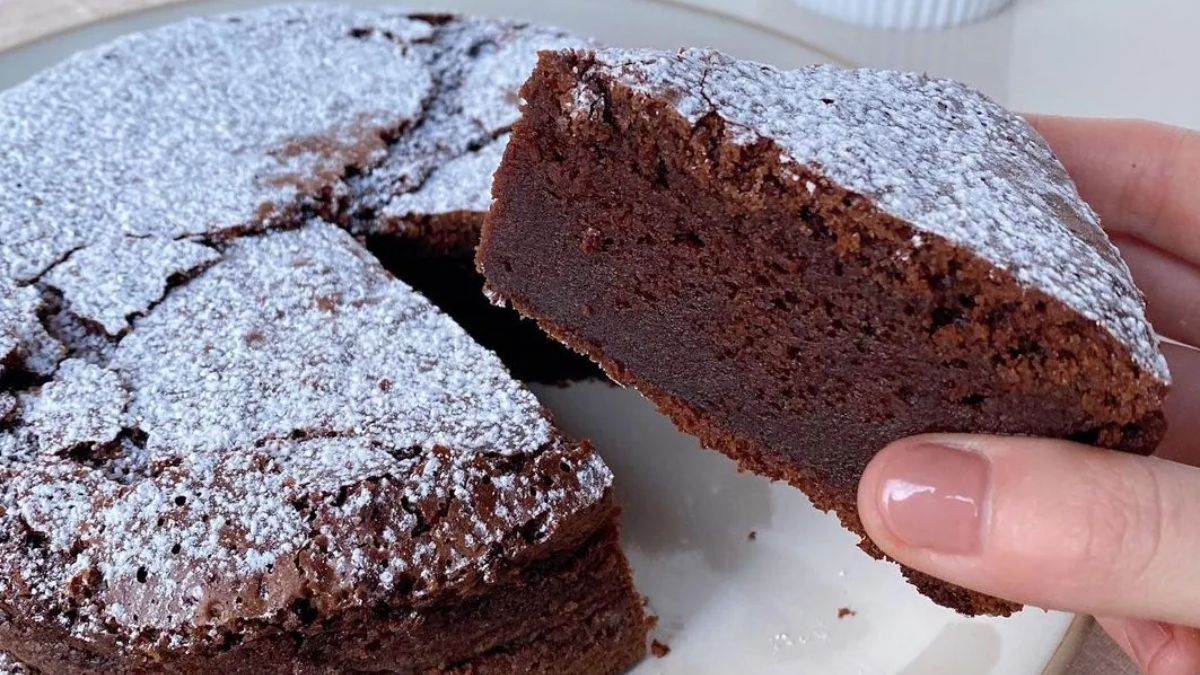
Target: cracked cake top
(214, 403)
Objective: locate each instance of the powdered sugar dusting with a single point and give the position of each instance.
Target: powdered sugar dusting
(8, 406)
(339, 378)
(325, 325)
(83, 405)
(8, 349)
(24, 343)
(481, 70)
(58, 500)
(81, 339)
(107, 282)
(212, 526)
(461, 184)
(17, 448)
(10, 666)
(932, 152)
(129, 463)
(184, 137)
(323, 461)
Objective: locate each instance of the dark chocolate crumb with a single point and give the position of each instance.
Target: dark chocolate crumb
(659, 649)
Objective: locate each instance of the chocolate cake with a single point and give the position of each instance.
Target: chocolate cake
(230, 440)
(800, 267)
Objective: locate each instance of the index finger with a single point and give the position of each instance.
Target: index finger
(1142, 178)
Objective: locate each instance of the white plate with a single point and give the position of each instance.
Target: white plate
(768, 604)
(727, 601)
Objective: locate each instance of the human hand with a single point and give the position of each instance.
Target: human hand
(1065, 526)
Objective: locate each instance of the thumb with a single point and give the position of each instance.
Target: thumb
(1042, 522)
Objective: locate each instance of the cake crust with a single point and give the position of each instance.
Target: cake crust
(230, 440)
(800, 268)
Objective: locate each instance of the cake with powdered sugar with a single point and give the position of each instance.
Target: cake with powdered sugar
(230, 440)
(801, 267)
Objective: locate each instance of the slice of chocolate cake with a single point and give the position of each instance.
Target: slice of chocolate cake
(801, 267)
(230, 441)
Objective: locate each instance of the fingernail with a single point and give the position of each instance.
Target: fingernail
(934, 496)
(1146, 639)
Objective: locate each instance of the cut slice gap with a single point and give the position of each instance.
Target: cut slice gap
(436, 257)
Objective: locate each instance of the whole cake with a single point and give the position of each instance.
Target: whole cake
(230, 440)
(800, 267)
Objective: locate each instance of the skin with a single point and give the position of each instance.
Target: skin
(1066, 526)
